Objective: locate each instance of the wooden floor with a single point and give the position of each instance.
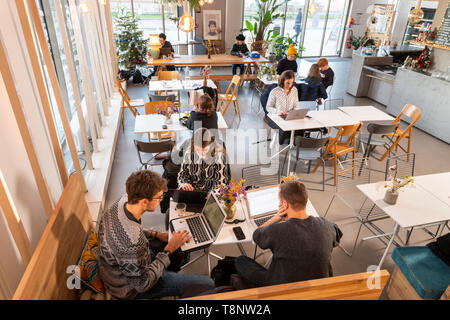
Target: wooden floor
(432, 155)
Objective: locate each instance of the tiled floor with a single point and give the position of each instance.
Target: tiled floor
(432, 155)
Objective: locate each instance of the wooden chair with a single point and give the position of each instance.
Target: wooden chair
(170, 75)
(154, 107)
(358, 286)
(127, 103)
(336, 148)
(230, 96)
(414, 114)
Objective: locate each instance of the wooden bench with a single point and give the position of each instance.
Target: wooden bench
(59, 247)
(347, 287)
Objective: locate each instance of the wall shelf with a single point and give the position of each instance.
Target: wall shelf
(430, 44)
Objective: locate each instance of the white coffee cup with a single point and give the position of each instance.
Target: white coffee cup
(180, 209)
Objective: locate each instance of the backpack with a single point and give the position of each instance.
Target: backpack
(137, 77)
(223, 270)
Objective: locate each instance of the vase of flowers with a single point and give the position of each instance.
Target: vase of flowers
(395, 185)
(167, 110)
(206, 72)
(228, 194)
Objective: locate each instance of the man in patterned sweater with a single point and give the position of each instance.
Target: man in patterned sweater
(128, 268)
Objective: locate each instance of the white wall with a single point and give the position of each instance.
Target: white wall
(234, 16)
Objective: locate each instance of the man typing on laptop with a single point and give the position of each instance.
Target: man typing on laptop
(128, 267)
(301, 244)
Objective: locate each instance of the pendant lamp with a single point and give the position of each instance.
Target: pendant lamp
(209, 1)
(416, 14)
(186, 22)
(312, 8)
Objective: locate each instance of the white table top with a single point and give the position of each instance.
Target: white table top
(153, 123)
(269, 82)
(165, 85)
(437, 184)
(299, 124)
(366, 113)
(226, 235)
(172, 85)
(332, 118)
(415, 205)
(194, 84)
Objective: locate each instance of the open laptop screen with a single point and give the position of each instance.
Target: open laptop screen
(263, 201)
(213, 215)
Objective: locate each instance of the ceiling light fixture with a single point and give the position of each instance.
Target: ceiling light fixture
(312, 8)
(416, 14)
(186, 22)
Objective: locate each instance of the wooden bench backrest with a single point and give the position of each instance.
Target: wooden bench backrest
(59, 247)
(347, 287)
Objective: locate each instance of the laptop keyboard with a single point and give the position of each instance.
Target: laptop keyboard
(260, 221)
(198, 231)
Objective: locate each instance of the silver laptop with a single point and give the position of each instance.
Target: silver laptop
(204, 227)
(262, 204)
(296, 114)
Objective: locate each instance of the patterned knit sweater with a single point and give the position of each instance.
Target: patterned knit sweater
(204, 174)
(125, 263)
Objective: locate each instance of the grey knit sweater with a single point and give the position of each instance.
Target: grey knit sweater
(125, 263)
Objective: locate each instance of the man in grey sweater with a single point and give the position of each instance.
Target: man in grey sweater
(301, 244)
(128, 267)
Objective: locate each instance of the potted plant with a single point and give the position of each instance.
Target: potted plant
(265, 15)
(394, 185)
(279, 46)
(229, 194)
(269, 71)
(360, 42)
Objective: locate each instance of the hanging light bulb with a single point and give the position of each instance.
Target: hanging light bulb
(201, 3)
(84, 7)
(186, 22)
(416, 14)
(312, 8)
(209, 1)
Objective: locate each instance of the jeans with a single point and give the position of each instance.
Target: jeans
(251, 271)
(240, 66)
(172, 284)
(177, 259)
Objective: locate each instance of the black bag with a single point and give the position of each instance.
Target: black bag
(223, 270)
(125, 74)
(137, 77)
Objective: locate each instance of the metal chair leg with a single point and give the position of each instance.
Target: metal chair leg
(332, 199)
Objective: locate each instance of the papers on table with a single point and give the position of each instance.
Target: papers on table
(263, 201)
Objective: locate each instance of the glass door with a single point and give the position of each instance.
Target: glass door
(324, 27)
(316, 19)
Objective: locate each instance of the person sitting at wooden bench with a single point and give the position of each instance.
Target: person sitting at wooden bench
(301, 244)
(129, 265)
(239, 49)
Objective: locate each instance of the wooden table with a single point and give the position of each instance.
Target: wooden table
(215, 60)
(422, 205)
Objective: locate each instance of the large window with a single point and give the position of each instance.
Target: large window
(150, 16)
(320, 31)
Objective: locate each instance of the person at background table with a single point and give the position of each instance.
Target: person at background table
(134, 263)
(301, 244)
(239, 49)
(282, 99)
(166, 44)
(314, 76)
(204, 165)
(298, 24)
(288, 63)
(203, 115)
(326, 72)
